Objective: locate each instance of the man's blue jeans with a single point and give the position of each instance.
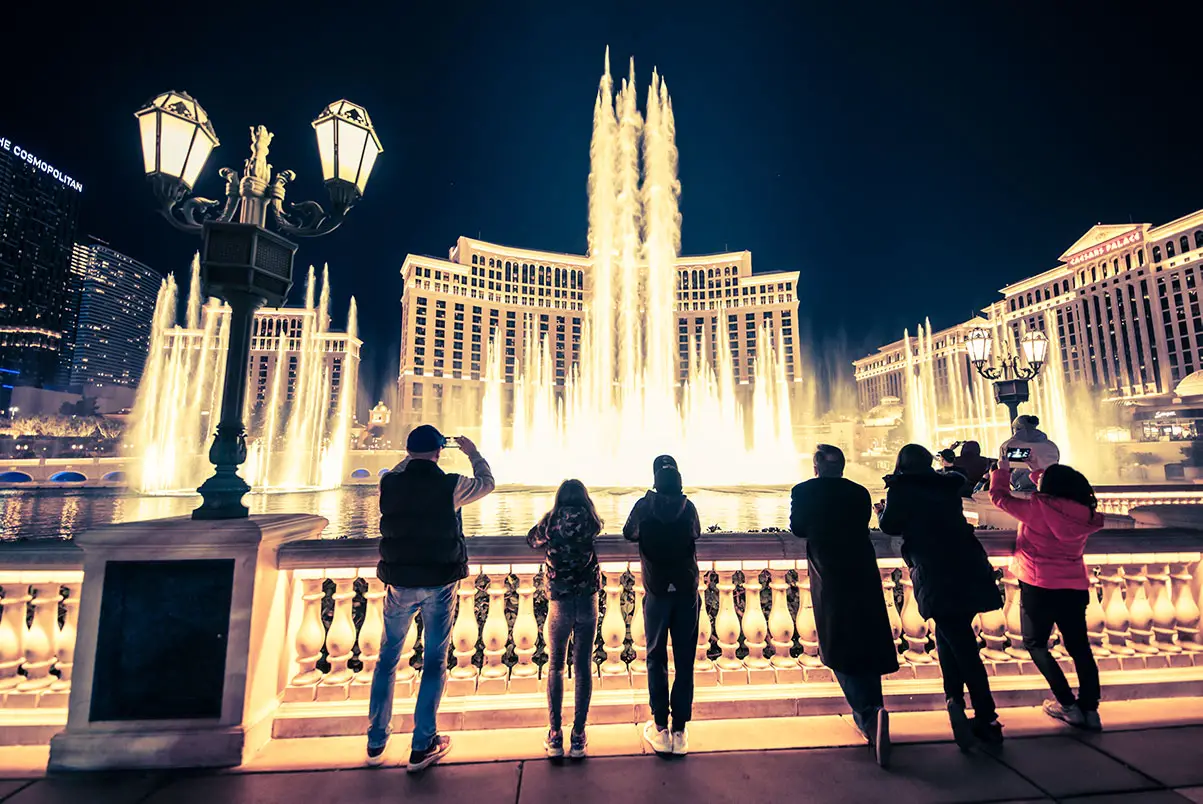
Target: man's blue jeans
(437, 604)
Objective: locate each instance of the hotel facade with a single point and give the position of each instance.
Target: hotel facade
(1121, 311)
(451, 308)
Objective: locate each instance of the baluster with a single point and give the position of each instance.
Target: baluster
(371, 633)
(311, 635)
(808, 632)
(524, 677)
(726, 625)
(340, 637)
(914, 626)
(41, 639)
(494, 673)
(705, 674)
(755, 627)
(1186, 608)
(781, 626)
(1115, 611)
(1096, 618)
(886, 567)
(66, 641)
(994, 632)
(1011, 612)
(638, 626)
(1164, 629)
(1140, 613)
(12, 628)
(463, 677)
(613, 629)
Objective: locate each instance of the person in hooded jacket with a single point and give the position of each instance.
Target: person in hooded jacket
(973, 465)
(1043, 451)
(855, 639)
(567, 532)
(665, 525)
(953, 582)
(1054, 585)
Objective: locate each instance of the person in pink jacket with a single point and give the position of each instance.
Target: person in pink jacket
(1054, 586)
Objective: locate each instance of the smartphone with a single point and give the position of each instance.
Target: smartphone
(449, 443)
(1018, 454)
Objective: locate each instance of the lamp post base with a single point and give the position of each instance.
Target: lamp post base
(223, 492)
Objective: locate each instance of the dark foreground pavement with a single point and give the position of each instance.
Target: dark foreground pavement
(1150, 766)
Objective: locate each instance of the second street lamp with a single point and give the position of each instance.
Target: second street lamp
(1010, 377)
(242, 262)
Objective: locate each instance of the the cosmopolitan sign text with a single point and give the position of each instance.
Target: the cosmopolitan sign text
(45, 167)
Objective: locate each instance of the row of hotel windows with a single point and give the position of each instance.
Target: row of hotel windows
(746, 371)
(262, 380)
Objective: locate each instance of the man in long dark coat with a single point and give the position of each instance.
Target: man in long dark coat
(855, 638)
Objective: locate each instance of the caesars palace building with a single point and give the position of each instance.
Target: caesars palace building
(1121, 311)
(450, 307)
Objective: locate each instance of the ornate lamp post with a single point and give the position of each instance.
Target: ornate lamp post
(1010, 377)
(242, 262)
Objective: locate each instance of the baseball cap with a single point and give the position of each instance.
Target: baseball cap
(425, 438)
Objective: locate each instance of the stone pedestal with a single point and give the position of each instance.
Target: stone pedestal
(181, 643)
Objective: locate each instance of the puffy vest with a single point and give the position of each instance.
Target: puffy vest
(422, 535)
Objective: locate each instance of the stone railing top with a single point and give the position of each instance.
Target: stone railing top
(322, 553)
(41, 554)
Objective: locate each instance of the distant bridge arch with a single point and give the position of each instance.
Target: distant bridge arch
(68, 477)
(15, 477)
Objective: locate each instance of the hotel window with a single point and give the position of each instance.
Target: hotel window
(1184, 243)
(1128, 261)
(1199, 238)
(1169, 248)
(1156, 253)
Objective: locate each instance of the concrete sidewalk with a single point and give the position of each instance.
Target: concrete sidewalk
(1155, 759)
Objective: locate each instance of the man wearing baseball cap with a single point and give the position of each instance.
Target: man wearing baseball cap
(422, 559)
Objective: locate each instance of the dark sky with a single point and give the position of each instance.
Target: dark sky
(908, 158)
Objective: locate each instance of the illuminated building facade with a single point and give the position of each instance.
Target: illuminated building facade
(39, 207)
(116, 310)
(450, 309)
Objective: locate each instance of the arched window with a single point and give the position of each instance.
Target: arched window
(1065, 286)
(1029, 298)
(1094, 274)
(1169, 248)
(1199, 238)
(1128, 261)
(1012, 305)
(1115, 266)
(1184, 244)
(474, 259)
(1140, 256)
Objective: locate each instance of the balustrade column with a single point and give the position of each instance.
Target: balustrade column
(914, 627)
(726, 625)
(310, 637)
(524, 677)
(371, 633)
(886, 569)
(41, 639)
(1164, 629)
(613, 630)
(1140, 613)
(808, 632)
(340, 637)
(12, 628)
(1096, 618)
(1115, 611)
(781, 626)
(994, 630)
(638, 665)
(1186, 607)
(755, 626)
(464, 634)
(1011, 612)
(705, 674)
(66, 642)
(494, 674)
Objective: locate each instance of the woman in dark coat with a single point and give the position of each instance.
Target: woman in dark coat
(953, 579)
(855, 638)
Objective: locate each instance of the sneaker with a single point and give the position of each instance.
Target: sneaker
(1093, 722)
(578, 744)
(1068, 714)
(553, 744)
(881, 741)
(988, 731)
(962, 732)
(659, 739)
(421, 760)
(376, 755)
(680, 742)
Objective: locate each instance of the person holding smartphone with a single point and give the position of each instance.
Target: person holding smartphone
(1054, 584)
(1027, 435)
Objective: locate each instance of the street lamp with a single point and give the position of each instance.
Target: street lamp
(1010, 377)
(242, 262)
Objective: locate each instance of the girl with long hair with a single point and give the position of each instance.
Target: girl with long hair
(1054, 584)
(567, 532)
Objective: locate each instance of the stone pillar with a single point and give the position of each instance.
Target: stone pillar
(12, 628)
(340, 638)
(781, 626)
(494, 675)
(726, 626)
(524, 677)
(41, 638)
(1116, 612)
(705, 674)
(1140, 613)
(310, 636)
(462, 678)
(614, 674)
(1186, 609)
(755, 626)
(371, 633)
(808, 632)
(1164, 629)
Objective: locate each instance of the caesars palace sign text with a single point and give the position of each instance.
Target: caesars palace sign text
(45, 167)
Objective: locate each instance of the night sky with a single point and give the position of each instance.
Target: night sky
(908, 158)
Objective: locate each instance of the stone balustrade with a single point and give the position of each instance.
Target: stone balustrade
(757, 625)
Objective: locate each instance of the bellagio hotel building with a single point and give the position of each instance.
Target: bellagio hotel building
(449, 308)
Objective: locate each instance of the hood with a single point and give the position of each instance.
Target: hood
(971, 449)
(666, 507)
(1068, 519)
(1030, 435)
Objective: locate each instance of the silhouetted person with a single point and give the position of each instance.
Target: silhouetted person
(973, 465)
(665, 525)
(1025, 433)
(953, 581)
(855, 637)
(422, 559)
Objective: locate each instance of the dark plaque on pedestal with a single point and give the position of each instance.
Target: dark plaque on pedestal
(161, 646)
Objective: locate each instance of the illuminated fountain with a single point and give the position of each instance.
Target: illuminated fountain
(296, 439)
(622, 403)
